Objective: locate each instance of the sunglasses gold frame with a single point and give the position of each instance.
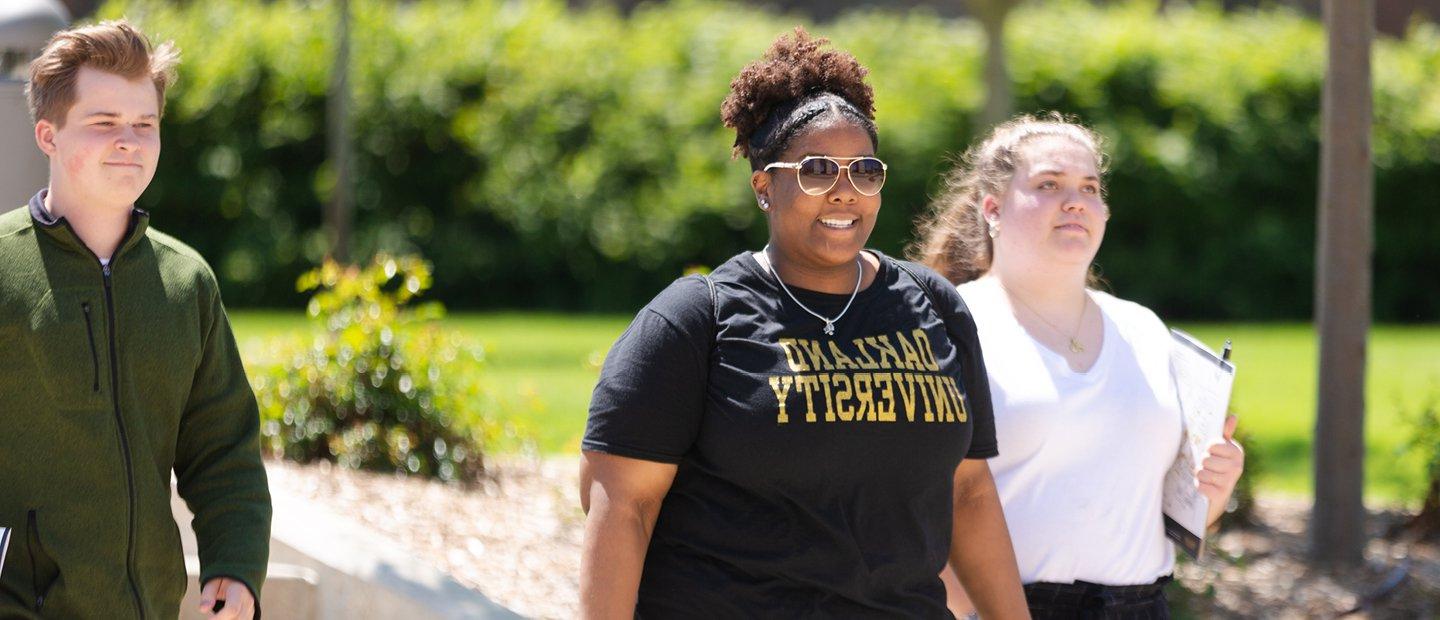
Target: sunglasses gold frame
(841, 162)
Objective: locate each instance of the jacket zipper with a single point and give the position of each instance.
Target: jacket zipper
(105, 273)
(94, 354)
(124, 441)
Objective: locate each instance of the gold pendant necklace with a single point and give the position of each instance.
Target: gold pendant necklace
(1074, 336)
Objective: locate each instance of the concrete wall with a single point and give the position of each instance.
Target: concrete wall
(326, 566)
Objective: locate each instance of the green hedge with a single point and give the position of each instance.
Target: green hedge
(573, 159)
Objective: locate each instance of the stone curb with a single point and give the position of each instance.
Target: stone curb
(325, 565)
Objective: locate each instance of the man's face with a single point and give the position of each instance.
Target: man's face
(104, 155)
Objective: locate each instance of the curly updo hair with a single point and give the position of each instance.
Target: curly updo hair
(795, 84)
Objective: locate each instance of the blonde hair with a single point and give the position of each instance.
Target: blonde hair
(111, 46)
(953, 236)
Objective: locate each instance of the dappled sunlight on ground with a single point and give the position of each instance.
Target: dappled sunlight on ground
(1262, 572)
(517, 537)
(514, 537)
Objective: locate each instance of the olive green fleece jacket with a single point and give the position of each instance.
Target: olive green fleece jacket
(110, 378)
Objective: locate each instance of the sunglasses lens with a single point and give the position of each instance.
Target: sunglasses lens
(817, 175)
(868, 175)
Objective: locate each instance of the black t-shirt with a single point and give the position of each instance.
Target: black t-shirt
(815, 472)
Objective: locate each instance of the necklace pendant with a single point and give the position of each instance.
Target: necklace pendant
(829, 328)
(1076, 347)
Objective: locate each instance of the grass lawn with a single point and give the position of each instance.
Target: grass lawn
(542, 367)
(1275, 391)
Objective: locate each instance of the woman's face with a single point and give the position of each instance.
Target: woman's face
(822, 231)
(1053, 211)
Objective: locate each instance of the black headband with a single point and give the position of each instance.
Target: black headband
(785, 120)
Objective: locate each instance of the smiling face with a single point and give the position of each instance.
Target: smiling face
(104, 155)
(1053, 212)
(825, 231)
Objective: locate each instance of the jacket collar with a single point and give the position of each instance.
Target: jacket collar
(59, 230)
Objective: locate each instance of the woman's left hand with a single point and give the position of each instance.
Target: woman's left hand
(1224, 461)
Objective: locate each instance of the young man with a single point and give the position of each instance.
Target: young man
(117, 366)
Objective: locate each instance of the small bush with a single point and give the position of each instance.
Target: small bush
(1424, 445)
(382, 387)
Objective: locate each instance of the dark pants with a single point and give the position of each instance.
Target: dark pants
(1091, 601)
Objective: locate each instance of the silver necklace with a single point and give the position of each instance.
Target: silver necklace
(1075, 346)
(829, 322)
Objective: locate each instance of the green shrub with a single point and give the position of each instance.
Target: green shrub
(545, 156)
(1424, 442)
(381, 387)
(1424, 447)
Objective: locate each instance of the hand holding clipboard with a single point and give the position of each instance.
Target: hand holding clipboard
(1209, 462)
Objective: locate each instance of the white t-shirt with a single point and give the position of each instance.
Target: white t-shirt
(1083, 456)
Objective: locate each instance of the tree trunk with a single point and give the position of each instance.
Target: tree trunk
(999, 103)
(339, 211)
(1342, 284)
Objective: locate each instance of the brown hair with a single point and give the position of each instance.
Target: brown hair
(952, 238)
(794, 84)
(110, 46)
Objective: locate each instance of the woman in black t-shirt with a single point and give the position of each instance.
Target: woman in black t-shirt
(802, 433)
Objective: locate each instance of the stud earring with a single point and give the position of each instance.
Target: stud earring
(994, 228)
(764, 204)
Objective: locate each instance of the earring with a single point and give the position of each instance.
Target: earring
(764, 204)
(994, 228)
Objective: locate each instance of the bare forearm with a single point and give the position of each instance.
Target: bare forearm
(621, 498)
(610, 565)
(981, 554)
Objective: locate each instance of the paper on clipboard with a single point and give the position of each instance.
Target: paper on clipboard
(1203, 382)
(4, 544)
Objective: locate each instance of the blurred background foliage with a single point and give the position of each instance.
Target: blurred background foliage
(380, 385)
(572, 159)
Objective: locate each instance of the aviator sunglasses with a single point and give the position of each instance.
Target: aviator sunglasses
(818, 174)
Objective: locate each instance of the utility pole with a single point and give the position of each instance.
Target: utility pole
(1344, 242)
(339, 212)
(999, 102)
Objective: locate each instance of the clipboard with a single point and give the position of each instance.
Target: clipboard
(1203, 383)
(4, 545)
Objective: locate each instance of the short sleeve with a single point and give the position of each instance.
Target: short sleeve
(975, 380)
(960, 324)
(651, 395)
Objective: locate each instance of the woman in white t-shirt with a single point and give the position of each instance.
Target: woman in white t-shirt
(1086, 415)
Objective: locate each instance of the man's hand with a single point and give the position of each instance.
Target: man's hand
(239, 604)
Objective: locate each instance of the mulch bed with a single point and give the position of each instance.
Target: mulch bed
(1263, 572)
(516, 538)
